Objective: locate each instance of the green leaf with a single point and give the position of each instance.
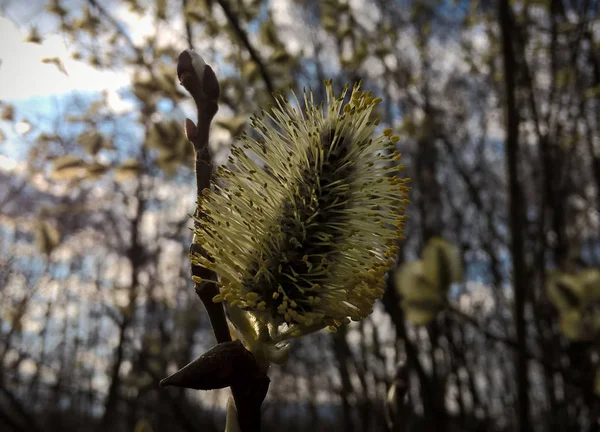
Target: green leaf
(161, 9)
(96, 170)
(143, 426)
(250, 70)
(55, 8)
(68, 167)
(45, 139)
(421, 299)
(56, 62)
(328, 22)
(193, 14)
(409, 276)
(572, 325)
(422, 311)
(131, 168)
(589, 280)
(8, 113)
(344, 31)
(593, 92)
(564, 290)
(442, 263)
(268, 35)
(419, 316)
(165, 135)
(33, 36)
(280, 56)
(423, 284)
(381, 51)
(579, 325)
(91, 141)
(47, 237)
(134, 6)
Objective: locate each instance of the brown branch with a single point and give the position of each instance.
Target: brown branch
(396, 407)
(513, 345)
(391, 302)
(12, 425)
(241, 34)
(112, 20)
(16, 407)
(188, 26)
(205, 94)
(517, 220)
(487, 333)
(248, 381)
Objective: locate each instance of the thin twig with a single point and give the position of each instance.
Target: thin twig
(511, 343)
(251, 50)
(517, 217)
(188, 25)
(249, 383)
(112, 20)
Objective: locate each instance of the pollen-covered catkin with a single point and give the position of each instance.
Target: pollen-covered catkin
(304, 223)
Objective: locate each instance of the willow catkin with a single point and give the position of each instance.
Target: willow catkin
(303, 224)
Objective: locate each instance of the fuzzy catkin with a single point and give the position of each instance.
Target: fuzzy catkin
(304, 222)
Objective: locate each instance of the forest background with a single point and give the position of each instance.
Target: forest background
(497, 109)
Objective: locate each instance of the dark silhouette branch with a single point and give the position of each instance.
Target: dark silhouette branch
(241, 34)
(229, 363)
(517, 220)
(102, 11)
(18, 408)
(188, 26)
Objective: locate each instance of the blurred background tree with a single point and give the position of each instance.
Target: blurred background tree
(497, 107)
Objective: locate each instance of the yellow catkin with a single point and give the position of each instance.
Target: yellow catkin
(294, 250)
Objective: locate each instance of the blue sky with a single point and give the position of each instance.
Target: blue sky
(37, 89)
(23, 75)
